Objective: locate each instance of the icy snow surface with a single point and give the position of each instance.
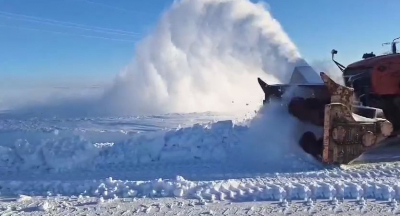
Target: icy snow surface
(202, 56)
(161, 156)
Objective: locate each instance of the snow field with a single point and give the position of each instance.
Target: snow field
(210, 162)
(212, 60)
(179, 206)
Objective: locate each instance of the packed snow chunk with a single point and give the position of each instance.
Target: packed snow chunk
(30, 155)
(145, 148)
(355, 190)
(368, 189)
(67, 154)
(57, 155)
(301, 191)
(200, 142)
(222, 126)
(179, 192)
(180, 179)
(24, 198)
(45, 206)
(8, 158)
(384, 192)
(327, 191)
(396, 188)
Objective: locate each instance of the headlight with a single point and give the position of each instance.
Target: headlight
(386, 128)
(368, 139)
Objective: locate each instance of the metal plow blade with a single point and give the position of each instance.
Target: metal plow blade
(388, 151)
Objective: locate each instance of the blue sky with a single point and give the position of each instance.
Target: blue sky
(316, 26)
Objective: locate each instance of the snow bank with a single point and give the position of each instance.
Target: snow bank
(200, 142)
(255, 143)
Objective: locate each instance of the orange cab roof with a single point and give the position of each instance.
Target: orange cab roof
(371, 62)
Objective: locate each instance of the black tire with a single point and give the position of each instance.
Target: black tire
(311, 145)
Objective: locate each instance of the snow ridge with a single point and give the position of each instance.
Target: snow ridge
(247, 144)
(262, 189)
(208, 142)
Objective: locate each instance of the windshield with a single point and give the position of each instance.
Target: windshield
(359, 79)
(350, 75)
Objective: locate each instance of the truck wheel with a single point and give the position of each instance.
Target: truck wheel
(311, 145)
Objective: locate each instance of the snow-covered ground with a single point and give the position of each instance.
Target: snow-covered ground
(203, 55)
(191, 164)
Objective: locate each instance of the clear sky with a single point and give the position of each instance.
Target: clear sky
(32, 50)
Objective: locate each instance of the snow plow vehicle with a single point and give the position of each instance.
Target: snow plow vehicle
(355, 118)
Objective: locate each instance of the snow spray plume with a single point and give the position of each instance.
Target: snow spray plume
(329, 68)
(272, 139)
(202, 56)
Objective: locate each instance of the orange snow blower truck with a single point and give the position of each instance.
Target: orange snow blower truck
(355, 118)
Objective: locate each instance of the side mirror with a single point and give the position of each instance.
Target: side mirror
(340, 66)
(334, 52)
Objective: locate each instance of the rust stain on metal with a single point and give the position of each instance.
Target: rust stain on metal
(368, 139)
(327, 120)
(349, 138)
(345, 137)
(339, 93)
(338, 134)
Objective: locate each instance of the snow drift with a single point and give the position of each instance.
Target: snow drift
(244, 163)
(267, 143)
(204, 55)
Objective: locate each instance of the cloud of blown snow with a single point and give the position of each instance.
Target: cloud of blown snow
(273, 136)
(204, 55)
(329, 68)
